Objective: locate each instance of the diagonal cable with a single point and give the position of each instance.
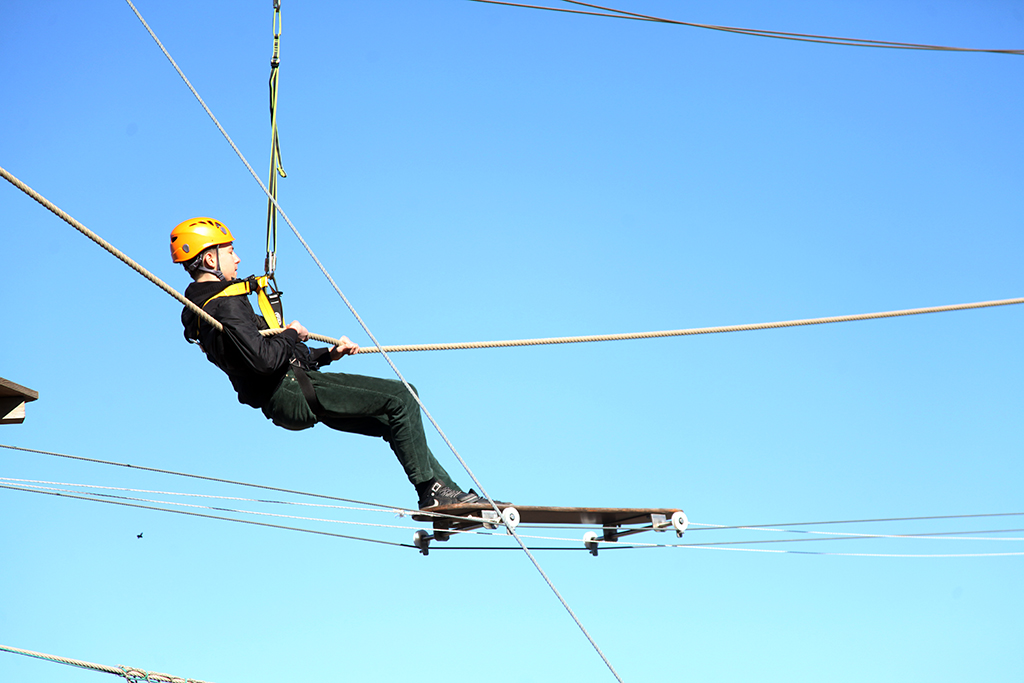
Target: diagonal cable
(366, 329)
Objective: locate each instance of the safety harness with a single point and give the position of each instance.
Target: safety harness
(269, 300)
(268, 297)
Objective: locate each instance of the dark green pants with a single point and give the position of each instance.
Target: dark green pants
(361, 405)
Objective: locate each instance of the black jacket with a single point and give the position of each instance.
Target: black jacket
(254, 363)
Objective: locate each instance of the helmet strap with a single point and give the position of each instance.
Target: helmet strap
(200, 263)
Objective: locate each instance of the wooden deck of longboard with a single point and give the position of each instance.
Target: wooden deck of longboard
(541, 514)
(614, 522)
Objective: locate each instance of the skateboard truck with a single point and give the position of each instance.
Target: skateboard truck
(488, 519)
(659, 522)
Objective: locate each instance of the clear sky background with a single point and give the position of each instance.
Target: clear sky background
(471, 172)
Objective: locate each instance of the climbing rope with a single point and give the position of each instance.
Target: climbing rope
(695, 330)
(206, 317)
(377, 348)
(131, 263)
(129, 673)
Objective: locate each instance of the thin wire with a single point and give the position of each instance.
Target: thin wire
(606, 545)
(202, 495)
(96, 497)
(205, 516)
(694, 526)
(38, 484)
(831, 535)
(934, 535)
(716, 527)
(783, 35)
(389, 508)
(815, 552)
(749, 550)
(940, 536)
(35, 487)
(199, 476)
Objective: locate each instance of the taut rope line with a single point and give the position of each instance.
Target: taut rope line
(695, 330)
(131, 263)
(126, 672)
(207, 318)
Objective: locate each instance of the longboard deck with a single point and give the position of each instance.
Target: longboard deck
(614, 522)
(542, 514)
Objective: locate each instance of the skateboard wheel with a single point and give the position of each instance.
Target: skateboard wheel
(510, 516)
(421, 539)
(680, 521)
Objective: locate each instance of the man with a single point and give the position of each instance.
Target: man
(281, 376)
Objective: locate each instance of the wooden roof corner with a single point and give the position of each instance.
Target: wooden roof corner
(13, 398)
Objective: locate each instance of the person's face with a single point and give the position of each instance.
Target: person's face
(228, 261)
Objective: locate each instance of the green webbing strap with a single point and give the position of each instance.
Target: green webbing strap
(276, 167)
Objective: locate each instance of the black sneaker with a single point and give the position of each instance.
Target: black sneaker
(436, 494)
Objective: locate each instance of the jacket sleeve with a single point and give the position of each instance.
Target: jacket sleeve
(263, 355)
(320, 357)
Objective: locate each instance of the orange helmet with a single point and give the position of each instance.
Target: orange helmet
(189, 238)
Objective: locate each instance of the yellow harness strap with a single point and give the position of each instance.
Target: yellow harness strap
(246, 287)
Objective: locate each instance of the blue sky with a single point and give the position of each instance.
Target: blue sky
(471, 172)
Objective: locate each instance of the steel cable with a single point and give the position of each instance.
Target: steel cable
(782, 35)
